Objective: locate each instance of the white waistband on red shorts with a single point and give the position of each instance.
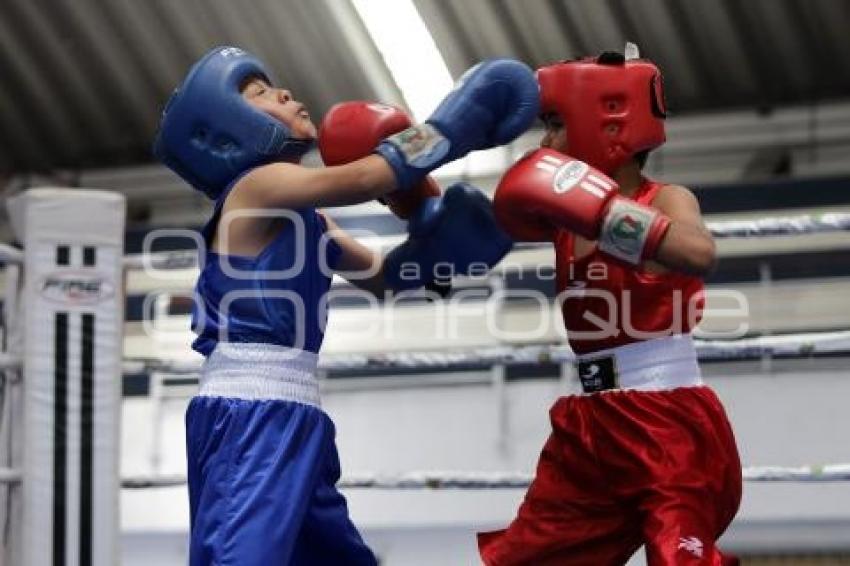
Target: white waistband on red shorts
(260, 371)
(653, 365)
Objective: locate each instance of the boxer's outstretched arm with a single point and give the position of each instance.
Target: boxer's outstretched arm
(286, 185)
(352, 130)
(492, 104)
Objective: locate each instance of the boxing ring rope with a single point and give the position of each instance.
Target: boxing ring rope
(9, 361)
(763, 347)
(496, 480)
(9, 475)
(795, 345)
(779, 345)
(786, 346)
(751, 228)
(781, 225)
(799, 345)
(511, 480)
(11, 255)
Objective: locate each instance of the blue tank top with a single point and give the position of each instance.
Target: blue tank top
(273, 298)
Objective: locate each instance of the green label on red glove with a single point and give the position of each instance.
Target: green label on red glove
(625, 230)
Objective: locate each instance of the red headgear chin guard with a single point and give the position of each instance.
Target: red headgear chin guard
(613, 108)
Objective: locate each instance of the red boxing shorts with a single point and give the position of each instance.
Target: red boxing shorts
(624, 468)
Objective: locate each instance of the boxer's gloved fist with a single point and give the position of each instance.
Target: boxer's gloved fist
(351, 131)
(547, 188)
(491, 104)
(455, 234)
(404, 204)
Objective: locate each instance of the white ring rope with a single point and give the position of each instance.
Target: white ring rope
(779, 345)
(788, 345)
(177, 259)
(9, 475)
(829, 472)
(762, 227)
(783, 345)
(11, 254)
(513, 480)
(781, 225)
(10, 361)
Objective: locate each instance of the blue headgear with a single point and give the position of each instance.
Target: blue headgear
(209, 134)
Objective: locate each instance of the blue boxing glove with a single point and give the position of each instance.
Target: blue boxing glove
(491, 104)
(455, 234)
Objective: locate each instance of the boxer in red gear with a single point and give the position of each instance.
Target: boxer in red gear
(646, 456)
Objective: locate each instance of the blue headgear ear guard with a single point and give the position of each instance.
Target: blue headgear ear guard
(209, 134)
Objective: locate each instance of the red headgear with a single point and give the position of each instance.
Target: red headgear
(613, 108)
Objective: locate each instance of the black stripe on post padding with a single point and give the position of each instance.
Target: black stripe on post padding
(60, 429)
(63, 255)
(89, 256)
(87, 440)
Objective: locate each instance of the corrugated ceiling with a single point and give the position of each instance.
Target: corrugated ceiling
(715, 53)
(83, 81)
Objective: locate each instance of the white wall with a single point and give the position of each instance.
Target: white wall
(796, 415)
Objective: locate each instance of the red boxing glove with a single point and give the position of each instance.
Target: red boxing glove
(404, 203)
(547, 188)
(352, 130)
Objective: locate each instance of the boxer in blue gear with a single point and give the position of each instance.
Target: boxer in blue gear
(262, 460)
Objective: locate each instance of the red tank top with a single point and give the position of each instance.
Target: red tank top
(606, 303)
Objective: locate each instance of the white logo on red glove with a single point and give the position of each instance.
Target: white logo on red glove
(381, 108)
(572, 173)
(569, 175)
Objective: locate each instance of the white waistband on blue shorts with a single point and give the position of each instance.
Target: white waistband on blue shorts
(260, 371)
(653, 365)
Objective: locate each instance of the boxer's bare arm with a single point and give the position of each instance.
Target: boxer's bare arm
(361, 266)
(286, 185)
(247, 227)
(688, 246)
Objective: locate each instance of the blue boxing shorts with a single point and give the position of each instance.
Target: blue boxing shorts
(263, 465)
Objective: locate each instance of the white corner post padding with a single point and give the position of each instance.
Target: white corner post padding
(72, 315)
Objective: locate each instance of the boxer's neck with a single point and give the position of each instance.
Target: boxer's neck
(629, 177)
